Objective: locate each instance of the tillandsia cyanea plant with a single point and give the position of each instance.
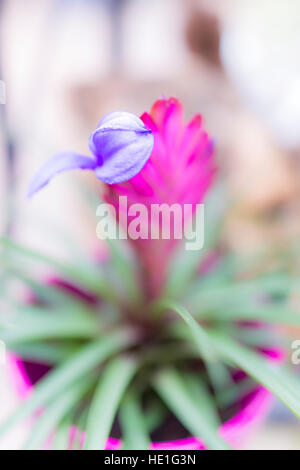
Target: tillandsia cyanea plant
(156, 343)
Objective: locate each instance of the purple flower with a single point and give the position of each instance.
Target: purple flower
(120, 147)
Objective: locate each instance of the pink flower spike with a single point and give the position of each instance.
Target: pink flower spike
(180, 170)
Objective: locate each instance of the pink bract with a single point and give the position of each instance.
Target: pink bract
(180, 170)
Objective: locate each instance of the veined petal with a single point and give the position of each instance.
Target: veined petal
(149, 123)
(124, 155)
(122, 145)
(62, 162)
(173, 121)
(158, 112)
(121, 120)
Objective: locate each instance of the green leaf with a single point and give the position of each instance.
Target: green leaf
(191, 413)
(273, 314)
(170, 353)
(199, 334)
(231, 395)
(135, 436)
(113, 382)
(282, 384)
(200, 391)
(257, 337)
(124, 267)
(278, 381)
(89, 275)
(154, 414)
(50, 294)
(55, 412)
(69, 372)
(34, 323)
(216, 370)
(185, 263)
(123, 262)
(46, 353)
(236, 293)
(219, 375)
(62, 434)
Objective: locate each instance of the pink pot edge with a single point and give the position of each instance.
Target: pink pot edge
(235, 431)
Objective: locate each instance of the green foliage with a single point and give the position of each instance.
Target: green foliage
(113, 382)
(192, 405)
(124, 361)
(134, 426)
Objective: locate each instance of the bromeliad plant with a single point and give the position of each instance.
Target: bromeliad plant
(155, 342)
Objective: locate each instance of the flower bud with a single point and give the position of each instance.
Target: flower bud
(121, 145)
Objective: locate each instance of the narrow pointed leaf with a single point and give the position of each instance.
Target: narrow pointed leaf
(133, 425)
(76, 367)
(285, 386)
(273, 314)
(190, 412)
(113, 382)
(55, 412)
(32, 324)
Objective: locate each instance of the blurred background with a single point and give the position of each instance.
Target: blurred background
(65, 63)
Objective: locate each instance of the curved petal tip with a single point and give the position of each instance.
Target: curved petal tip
(57, 164)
